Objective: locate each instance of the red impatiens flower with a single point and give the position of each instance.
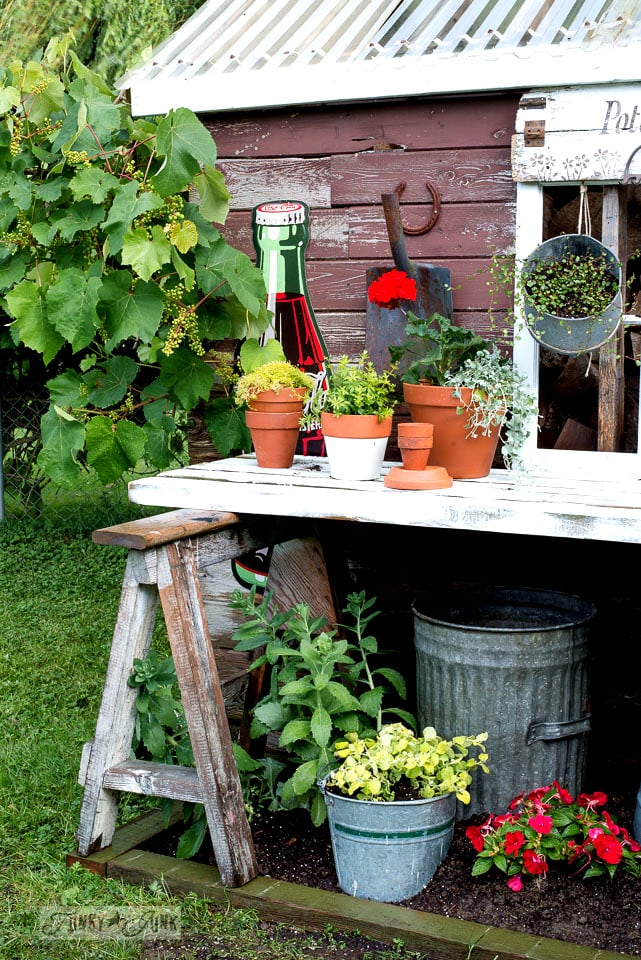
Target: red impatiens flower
(513, 842)
(541, 824)
(534, 863)
(475, 837)
(547, 829)
(390, 288)
(608, 848)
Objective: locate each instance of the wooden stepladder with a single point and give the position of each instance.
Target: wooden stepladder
(165, 554)
(161, 567)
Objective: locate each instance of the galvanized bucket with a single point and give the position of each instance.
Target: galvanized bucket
(513, 662)
(388, 850)
(578, 334)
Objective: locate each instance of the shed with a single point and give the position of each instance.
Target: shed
(335, 104)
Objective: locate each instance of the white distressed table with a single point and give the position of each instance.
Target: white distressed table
(503, 502)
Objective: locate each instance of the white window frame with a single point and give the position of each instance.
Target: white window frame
(560, 463)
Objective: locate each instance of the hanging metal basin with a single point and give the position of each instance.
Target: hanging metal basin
(573, 335)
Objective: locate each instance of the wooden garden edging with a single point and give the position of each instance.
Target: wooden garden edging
(440, 938)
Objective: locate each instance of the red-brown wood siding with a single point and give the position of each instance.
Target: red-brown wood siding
(340, 161)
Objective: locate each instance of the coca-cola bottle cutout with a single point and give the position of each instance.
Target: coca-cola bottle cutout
(281, 235)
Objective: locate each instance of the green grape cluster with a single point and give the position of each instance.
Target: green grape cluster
(172, 209)
(78, 157)
(16, 137)
(90, 247)
(41, 86)
(20, 236)
(184, 326)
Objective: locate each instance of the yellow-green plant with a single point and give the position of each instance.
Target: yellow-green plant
(275, 375)
(397, 760)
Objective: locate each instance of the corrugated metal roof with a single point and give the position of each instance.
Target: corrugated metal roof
(243, 54)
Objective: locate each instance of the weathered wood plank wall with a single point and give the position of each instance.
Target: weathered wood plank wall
(340, 160)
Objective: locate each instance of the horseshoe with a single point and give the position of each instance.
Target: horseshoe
(436, 201)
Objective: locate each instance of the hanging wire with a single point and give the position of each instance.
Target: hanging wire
(584, 215)
(584, 212)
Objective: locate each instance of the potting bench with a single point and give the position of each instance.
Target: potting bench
(228, 507)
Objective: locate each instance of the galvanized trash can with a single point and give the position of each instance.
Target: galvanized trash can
(513, 662)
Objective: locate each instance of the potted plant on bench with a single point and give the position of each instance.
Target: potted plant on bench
(463, 385)
(355, 414)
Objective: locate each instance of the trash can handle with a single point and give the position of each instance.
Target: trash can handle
(543, 730)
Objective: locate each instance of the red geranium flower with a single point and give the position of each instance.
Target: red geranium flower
(515, 883)
(390, 288)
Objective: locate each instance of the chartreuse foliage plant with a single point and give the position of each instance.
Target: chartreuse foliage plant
(323, 684)
(397, 761)
(111, 269)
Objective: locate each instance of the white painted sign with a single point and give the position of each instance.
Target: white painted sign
(588, 133)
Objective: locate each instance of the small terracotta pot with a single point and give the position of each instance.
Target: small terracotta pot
(415, 431)
(415, 453)
(288, 400)
(274, 436)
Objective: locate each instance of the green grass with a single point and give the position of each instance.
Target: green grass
(59, 596)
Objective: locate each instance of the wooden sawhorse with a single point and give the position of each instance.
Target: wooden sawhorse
(164, 555)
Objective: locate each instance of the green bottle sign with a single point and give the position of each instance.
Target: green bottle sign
(281, 236)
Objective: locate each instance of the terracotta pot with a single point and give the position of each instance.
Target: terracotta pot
(288, 400)
(274, 436)
(355, 445)
(415, 442)
(463, 457)
(415, 430)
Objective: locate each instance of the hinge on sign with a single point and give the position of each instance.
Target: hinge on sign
(534, 133)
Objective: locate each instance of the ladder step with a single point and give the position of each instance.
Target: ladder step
(154, 780)
(162, 528)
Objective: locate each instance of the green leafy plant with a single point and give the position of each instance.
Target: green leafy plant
(161, 734)
(570, 285)
(549, 826)
(274, 375)
(567, 285)
(111, 269)
(398, 764)
(321, 685)
(435, 349)
(356, 388)
(498, 398)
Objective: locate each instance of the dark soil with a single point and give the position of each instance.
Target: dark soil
(598, 912)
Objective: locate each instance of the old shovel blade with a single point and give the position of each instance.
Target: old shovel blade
(384, 327)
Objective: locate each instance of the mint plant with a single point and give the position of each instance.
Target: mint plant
(112, 272)
(322, 685)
